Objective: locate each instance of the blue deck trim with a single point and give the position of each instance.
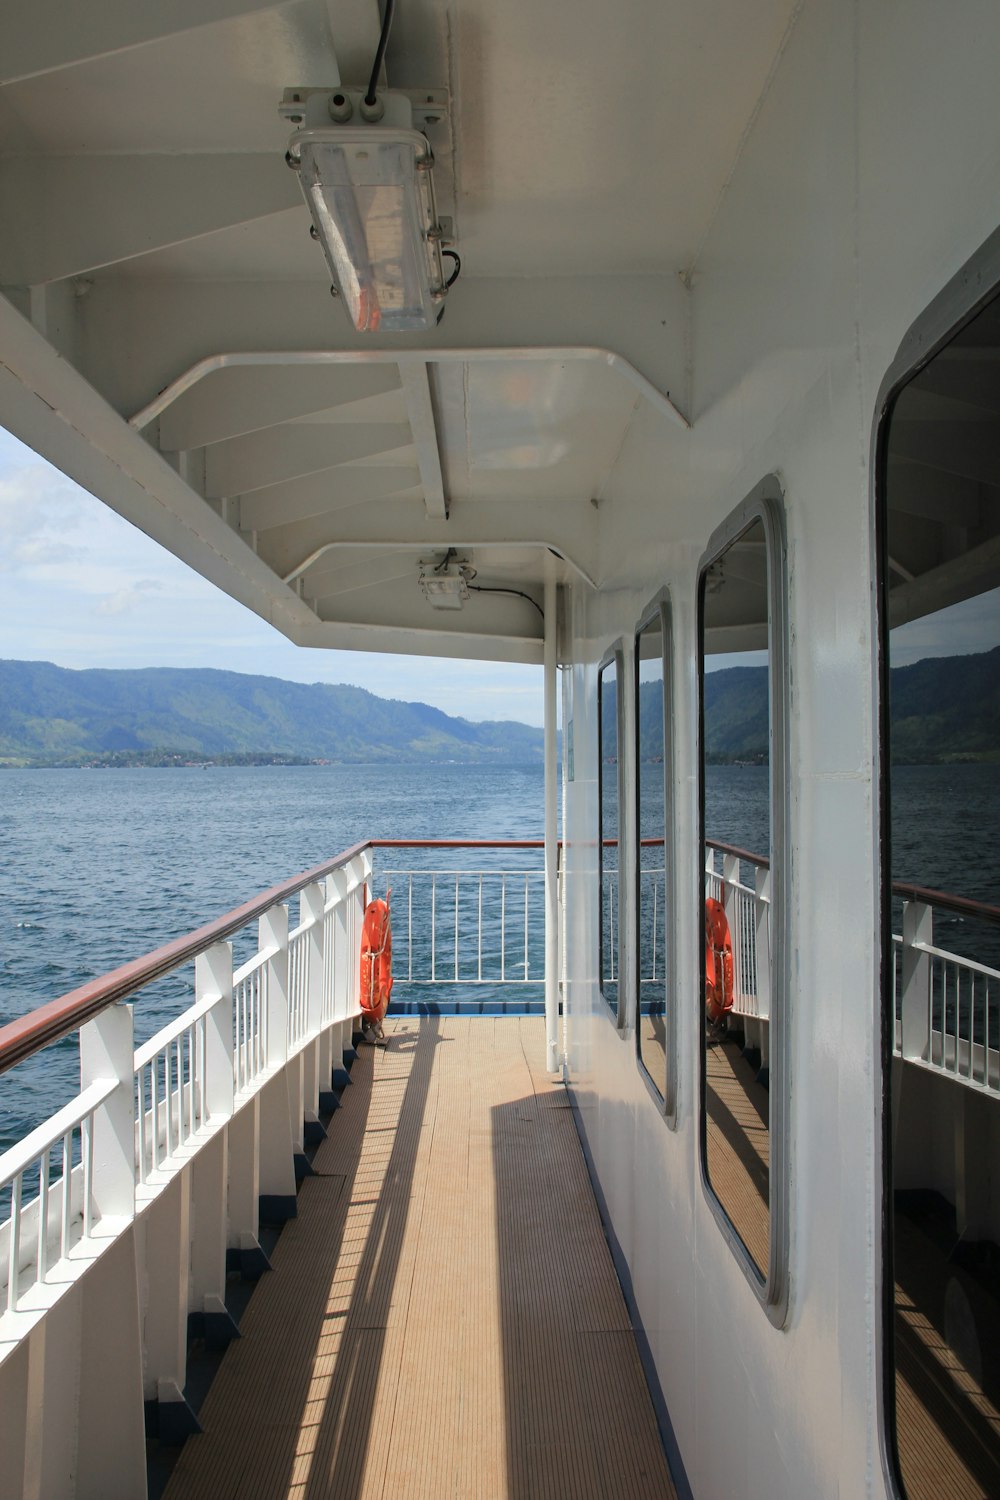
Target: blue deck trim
(667, 1435)
(467, 1008)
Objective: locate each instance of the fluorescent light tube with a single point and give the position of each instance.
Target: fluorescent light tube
(371, 196)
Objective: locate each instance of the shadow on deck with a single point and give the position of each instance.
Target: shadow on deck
(444, 1317)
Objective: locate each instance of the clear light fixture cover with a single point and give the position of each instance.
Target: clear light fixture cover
(371, 196)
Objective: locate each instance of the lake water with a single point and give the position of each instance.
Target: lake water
(97, 867)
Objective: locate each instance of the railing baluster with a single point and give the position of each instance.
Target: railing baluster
(525, 964)
(409, 930)
(67, 1196)
(42, 1259)
(479, 942)
(503, 929)
(87, 1163)
(14, 1246)
(456, 929)
(433, 927)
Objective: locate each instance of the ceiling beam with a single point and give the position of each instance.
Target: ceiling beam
(288, 451)
(420, 410)
(355, 32)
(322, 494)
(135, 345)
(932, 495)
(968, 449)
(73, 215)
(567, 526)
(235, 400)
(48, 35)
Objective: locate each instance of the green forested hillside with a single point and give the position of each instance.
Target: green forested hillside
(49, 714)
(943, 708)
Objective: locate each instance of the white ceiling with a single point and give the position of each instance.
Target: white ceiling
(142, 166)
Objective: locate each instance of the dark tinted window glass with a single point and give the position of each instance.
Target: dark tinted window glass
(940, 514)
(736, 791)
(607, 710)
(652, 885)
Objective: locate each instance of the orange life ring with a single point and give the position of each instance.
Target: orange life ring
(376, 962)
(718, 961)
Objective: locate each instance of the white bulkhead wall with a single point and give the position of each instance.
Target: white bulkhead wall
(870, 174)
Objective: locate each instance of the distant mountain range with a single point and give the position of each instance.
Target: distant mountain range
(167, 716)
(943, 709)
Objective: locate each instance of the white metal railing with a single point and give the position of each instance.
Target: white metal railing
(467, 927)
(50, 1175)
(178, 1087)
(943, 1003)
(748, 913)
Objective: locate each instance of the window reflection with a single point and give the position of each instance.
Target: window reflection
(607, 714)
(940, 543)
(652, 882)
(736, 694)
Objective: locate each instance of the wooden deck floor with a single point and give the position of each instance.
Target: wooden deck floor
(443, 1318)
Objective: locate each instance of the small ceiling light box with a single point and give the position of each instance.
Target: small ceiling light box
(367, 176)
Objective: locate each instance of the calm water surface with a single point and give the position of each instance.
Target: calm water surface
(97, 867)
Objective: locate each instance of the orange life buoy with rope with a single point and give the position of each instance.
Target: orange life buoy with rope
(376, 964)
(718, 962)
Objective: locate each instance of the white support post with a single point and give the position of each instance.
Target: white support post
(311, 910)
(337, 886)
(918, 927)
(276, 1142)
(273, 934)
(213, 975)
(107, 1052)
(762, 940)
(552, 1058)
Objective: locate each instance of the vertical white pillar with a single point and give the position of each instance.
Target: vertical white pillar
(107, 1052)
(311, 904)
(552, 1060)
(918, 929)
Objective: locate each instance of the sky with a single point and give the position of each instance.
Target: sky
(81, 587)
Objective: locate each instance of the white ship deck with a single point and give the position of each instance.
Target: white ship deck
(443, 1318)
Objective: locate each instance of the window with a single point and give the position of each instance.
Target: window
(741, 635)
(653, 883)
(608, 779)
(938, 527)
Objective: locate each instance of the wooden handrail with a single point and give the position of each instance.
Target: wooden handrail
(962, 906)
(28, 1034)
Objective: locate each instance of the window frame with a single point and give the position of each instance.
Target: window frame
(960, 301)
(659, 607)
(765, 504)
(619, 1010)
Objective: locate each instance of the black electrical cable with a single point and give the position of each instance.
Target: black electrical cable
(458, 267)
(478, 588)
(380, 54)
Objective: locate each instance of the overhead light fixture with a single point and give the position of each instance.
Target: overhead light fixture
(367, 177)
(445, 584)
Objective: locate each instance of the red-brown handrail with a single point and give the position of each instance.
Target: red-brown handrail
(962, 906)
(23, 1037)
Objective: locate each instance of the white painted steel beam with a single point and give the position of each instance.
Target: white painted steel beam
(553, 1061)
(275, 454)
(420, 409)
(355, 31)
(567, 526)
(244, 398)
(323, 494)
(48, 35)
(74, 215)
(143, 351)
